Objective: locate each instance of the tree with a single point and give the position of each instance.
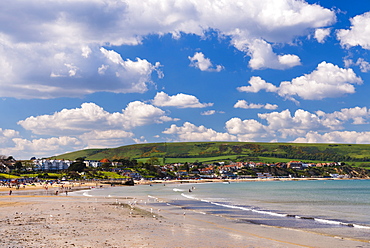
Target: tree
(106, 166)
(18, 165)
(153, 161)
(79, 166)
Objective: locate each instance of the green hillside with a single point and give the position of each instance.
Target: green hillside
(213, 151)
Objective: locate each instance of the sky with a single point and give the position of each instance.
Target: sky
(84, 74)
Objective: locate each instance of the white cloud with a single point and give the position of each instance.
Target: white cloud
(327, 81)
(283, 125)
(92, 117)
(50, 72)
(180, 101)
(24, 149)
(89, 126)
(245, 105)
(334, 120)
(21, 148)
(204, 64)
(262, 56)
(190, 132)
(209, 112)
(350, 137)
(237, 126)
(104, 139)
(6, 136)
(321, 34)
(364, 65)
(67, 59)
(358, 34)
(286, 125)
(257, 84)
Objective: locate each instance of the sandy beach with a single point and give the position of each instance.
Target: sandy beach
(36, 220)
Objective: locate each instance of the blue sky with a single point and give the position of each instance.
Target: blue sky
(105, 73)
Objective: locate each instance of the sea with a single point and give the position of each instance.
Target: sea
(339, 208)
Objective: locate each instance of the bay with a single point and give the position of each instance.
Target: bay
(331, 207)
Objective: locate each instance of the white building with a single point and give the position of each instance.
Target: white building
(51, 164)
(92, 163)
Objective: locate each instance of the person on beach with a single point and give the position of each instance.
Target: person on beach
(10, 192)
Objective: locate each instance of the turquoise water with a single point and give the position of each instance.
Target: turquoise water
(334, 207)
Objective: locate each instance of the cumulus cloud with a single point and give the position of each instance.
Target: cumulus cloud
(23, 148)
(180, 100)
(350, 137)
(191, 132)
(321, 34)
(284, 124)
(68, 74)
(358, 34)
(334, 120)
(89, 126)
(327, 81)
(203, 64)
(92, 117)
(108, 138)
(262, 56)
(55, 48)
(6, 135)
(247, 130)
(257, 84)
(245, 105)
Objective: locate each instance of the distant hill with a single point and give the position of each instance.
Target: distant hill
(213, 151)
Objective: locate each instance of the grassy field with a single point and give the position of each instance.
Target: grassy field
(112, 175)
(215, 151)
(7, 176)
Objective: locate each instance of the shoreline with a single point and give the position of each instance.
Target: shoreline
(66, 221)
(48, 189)
(242, 180)
(38, 220)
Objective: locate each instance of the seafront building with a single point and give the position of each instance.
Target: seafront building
(231, 170)
(51, 164)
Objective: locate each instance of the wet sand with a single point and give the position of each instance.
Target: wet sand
(71, 221)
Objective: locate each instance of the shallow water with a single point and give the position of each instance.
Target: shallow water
(334, 207)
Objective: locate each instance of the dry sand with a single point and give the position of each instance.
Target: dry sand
(70, 221)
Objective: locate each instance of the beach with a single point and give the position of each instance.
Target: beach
(37, 220)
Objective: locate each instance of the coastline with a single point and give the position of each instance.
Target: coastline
(64, 221)
(74, 221)
(242, 180)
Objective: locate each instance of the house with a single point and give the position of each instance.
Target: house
(261, 175)
(105, 160)
(181, 173)
(206, 171)
(92, 163)
(297, 165)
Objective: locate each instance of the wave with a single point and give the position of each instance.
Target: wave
(266, 212)
(179, 190)
(86, 193)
